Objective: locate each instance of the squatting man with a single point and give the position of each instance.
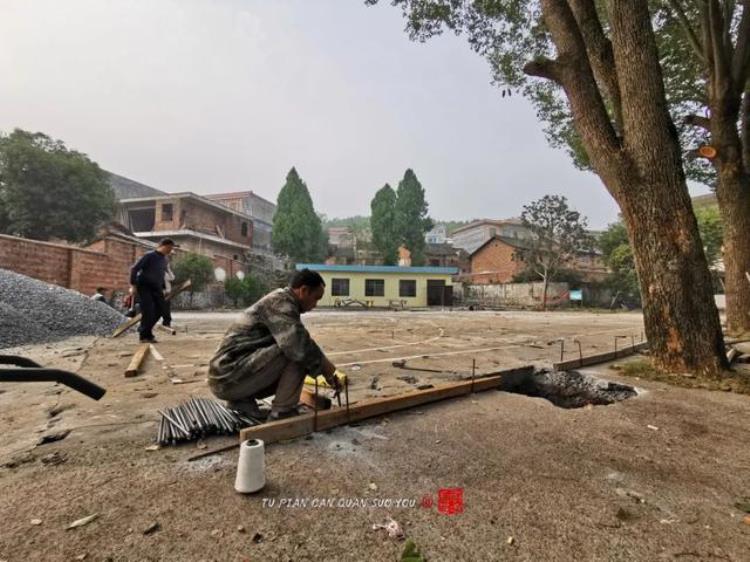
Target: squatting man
(269, 352)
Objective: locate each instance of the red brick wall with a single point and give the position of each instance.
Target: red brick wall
(105, 263)
(494, 264)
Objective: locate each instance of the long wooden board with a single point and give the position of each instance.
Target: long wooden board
(137, 360)
(599, 358)
(371, 407)
(125, 326)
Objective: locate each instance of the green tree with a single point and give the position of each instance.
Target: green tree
(48, 191)
(606, 66)
(412, 221)
(712, 232)
(233, 290)
(618, 257)
(383, 224)
(196, 267)
(252, 289)
(297, 229)
(558, 236)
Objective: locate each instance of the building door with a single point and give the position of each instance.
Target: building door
(436, 292)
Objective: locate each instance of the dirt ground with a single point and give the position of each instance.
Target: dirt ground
(654, 477)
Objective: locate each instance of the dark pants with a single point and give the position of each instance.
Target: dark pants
(167, 313)
(151, 300)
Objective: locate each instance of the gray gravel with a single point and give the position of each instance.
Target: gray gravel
(32, 311)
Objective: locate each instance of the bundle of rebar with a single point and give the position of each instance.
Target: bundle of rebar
(197, 418)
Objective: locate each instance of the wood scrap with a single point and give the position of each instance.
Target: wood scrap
(158, 356)
(125, 326)
(138, 357)
(298, 426)
(167, 329)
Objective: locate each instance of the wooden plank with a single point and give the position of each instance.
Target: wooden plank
(308, 399)
(167, 329)
(125, 326)
(372, 407)
(138, 357)
(155, 353)
(599, 358)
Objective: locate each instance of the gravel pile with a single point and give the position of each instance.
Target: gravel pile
(32, 311)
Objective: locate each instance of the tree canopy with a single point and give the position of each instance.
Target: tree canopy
(383, 224)
(412, 221)
(48, 191)
(297, 229)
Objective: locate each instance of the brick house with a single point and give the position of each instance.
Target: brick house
(493, 262)
(260, 211)
(446, 255)
(194, 222)
(473, 235)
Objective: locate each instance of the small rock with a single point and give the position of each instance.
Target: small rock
(746, 519)
(240, 529)
(52, 437)
(438, 441)
(53, 459)
(355, 441)
(201, 445)
(84, 521)
(149, 394)
(217, 533)
(153, 448)
(653, 427)
(36, 521)
(373, 487)
(155, 526)
(510, 540)
(257, 538)
(81, 556)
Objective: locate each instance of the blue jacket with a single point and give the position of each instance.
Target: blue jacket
(149, 270)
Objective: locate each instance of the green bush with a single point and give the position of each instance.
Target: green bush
(234, 290)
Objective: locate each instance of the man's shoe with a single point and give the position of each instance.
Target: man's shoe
(248, 408)
(276, 415)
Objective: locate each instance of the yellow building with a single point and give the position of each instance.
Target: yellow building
(385, 285)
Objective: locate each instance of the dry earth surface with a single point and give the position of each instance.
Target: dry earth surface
(655, 477)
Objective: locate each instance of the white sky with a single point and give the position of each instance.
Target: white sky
(214, 96)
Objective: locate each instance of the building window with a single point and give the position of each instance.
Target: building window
(340, 287)
(244, 229)
(407, 288)
(166, 212)
(374, 287)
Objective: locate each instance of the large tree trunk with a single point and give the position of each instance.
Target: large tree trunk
(642, 168)
(733, 195)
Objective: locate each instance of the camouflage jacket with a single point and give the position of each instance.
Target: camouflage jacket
(269, 328)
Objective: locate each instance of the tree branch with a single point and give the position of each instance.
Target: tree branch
(543, 68)
(720, 56)
(697, 121)
(689, 31)
(599, 49)
(577, 79)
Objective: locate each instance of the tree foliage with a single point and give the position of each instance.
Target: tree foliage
(412, 221)
(558, 236)
(246, 290)
(618, 257)
(297, 229)
(196, 267)
(712, 232)
(48, 191)
(383, 224)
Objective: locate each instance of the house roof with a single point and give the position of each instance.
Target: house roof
(495, 222)
(126, 188)
(440, 249)
(513, 242)
(377, 268)
(236, 195)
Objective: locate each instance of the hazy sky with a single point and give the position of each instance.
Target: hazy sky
(213, 96)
